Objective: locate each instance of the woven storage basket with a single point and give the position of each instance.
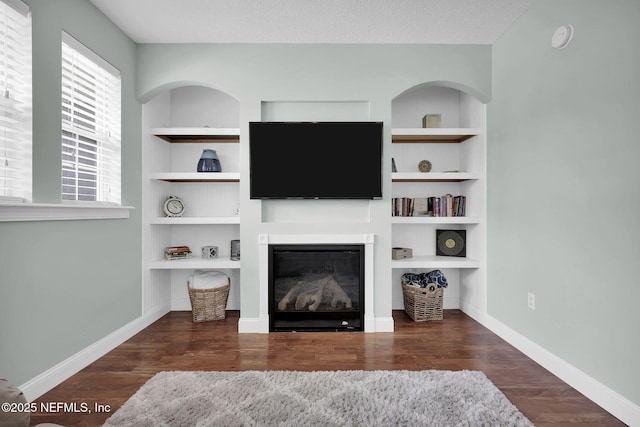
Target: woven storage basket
(423, 304)
(209, 304)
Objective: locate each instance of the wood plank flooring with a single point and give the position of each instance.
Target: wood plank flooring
(456, 343)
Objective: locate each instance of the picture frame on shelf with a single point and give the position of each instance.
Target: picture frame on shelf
(451, 243)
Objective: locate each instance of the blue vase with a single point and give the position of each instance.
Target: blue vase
(209, 162)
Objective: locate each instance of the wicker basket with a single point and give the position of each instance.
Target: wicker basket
(423, 304)
(209, 304)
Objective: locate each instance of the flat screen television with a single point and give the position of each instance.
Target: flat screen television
(315, 160)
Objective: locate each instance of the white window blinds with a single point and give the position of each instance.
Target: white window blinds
(15, 101)
(90, 125)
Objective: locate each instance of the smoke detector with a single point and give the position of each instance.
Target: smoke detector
(562, 36)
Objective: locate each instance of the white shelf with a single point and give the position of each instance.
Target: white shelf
(196, 176)
(194, 264)
(434, 261)
(197, 134)
(435, 220)
(195, 220)
(433, 176)
(433, 135)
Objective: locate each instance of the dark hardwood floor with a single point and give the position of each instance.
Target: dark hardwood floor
(456, 343)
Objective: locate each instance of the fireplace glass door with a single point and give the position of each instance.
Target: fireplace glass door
(316, 287)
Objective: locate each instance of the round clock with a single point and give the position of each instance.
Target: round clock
(173, 206)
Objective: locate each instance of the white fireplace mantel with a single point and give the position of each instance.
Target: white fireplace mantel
(261, 324)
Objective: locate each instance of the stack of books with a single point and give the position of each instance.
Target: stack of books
(177, 252)
(446, 205)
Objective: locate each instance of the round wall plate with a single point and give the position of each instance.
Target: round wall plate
(562, 36)
(424, 166)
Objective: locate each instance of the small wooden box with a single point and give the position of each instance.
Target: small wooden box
(401, 253)
(432, 121)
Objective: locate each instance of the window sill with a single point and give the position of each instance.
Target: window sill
(60, 212)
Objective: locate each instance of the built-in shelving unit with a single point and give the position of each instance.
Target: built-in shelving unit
(457, 154)
(177, 132)
(180, 124)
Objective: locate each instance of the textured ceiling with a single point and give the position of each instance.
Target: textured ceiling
(314, 21)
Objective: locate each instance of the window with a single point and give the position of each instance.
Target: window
(15, 101)
(90, 125)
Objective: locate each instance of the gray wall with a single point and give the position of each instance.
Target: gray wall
(66, 284)
(564, 186)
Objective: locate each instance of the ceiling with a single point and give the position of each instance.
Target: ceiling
(314, 21)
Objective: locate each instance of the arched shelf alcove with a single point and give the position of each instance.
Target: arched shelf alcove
(179, 84)
(179, 123)
(449, 194)
(196, 105)
(480, 96)
(457, 105)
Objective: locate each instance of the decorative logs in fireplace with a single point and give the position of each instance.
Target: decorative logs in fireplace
(312, 293)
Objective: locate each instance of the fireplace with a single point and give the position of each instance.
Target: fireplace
(260, 321)
(316, 287)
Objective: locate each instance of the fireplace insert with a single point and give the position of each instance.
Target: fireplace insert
(316, 287)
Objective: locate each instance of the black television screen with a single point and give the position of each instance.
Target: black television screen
(315, 160)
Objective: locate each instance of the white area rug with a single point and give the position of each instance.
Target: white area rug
(335, 398)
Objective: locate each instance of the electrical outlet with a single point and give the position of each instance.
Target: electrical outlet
(531, 301)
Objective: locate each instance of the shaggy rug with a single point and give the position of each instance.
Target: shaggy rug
(323, 398)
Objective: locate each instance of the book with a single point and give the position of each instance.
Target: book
(421, 206)
(446, 206)
(177, 252)
(173, 249)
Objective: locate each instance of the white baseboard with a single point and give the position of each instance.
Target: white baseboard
(619, 406)
(384, 324)
(253, 325)
(47, 380)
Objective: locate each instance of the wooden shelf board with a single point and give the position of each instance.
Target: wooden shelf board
(432, 135)
(197, 135)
